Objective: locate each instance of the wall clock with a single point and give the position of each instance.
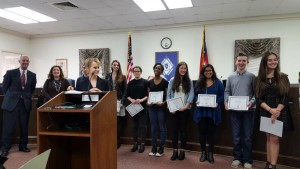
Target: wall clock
(166, 43)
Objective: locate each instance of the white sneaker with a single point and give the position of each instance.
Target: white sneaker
(247, 166)
(152, 154)
(235, 163)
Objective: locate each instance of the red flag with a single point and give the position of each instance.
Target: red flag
(129, 60)
(204, 55)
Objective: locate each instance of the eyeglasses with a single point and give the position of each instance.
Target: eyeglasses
(208, 71)
(136, 71)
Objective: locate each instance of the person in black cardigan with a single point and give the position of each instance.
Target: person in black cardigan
(117, 81)
(55, 83)
(93, 83)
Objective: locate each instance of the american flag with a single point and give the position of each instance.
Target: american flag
(129, 60)
(204, 55)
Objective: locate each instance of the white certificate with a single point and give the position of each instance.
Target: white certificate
(134, 109)
(155, 97)
(175, 104)
(118, 105)
(207, 100)
(238, 102)
(267, 126)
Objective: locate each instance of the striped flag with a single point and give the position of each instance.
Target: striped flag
(129, 60)
(204, 55)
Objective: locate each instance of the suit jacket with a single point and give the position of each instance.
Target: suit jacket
(84, 84)
(13, 91)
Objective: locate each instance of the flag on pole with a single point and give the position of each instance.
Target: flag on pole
(204, 55)
(129, 60)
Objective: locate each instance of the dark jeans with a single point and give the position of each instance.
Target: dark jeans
(9, 120)
(179, 124)
(158, 116)
(207, 133)
(242, 130)
(140, 120)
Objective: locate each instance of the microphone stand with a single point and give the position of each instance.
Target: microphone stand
(89, 94)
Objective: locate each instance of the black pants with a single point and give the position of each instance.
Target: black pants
(207, 133)
(121, 124)
(179, 125)
(9, 120)
(139, 121)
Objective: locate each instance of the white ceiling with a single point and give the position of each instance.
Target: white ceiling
(113, 15)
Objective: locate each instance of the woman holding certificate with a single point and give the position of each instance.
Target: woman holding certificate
(180, 92)
(137, 94)
(117, 81)
(157, 109)
(209, 94)
(272, 88)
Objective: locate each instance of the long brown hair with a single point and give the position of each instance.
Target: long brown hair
(201, 83)
(186, 81)
(280, 78)
(119, 76)
(50, 74)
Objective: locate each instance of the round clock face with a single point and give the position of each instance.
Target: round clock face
(166, 43)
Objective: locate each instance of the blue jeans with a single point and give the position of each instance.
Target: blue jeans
(242, 130)
(158, 115)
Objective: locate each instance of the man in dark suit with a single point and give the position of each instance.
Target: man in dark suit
(18, 86)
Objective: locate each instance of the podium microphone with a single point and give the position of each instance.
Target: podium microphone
(89, 94)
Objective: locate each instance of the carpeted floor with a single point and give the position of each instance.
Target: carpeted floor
(129, 160)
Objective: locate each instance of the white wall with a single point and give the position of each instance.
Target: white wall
(187, 40)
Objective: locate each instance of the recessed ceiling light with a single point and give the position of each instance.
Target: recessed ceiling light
(15, 17)
(174, 4)
(28, 13)
(150, 5)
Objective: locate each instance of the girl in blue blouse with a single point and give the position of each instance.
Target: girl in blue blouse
(180, 86)
(208, 117)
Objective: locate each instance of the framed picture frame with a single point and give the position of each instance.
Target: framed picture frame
(169, 60)
(63, 63)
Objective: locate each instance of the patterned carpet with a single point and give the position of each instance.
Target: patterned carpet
(129, 160)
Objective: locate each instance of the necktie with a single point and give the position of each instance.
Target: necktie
(23, 78)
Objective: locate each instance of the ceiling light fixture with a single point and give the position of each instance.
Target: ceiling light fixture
(174, 4)
(14, 17)
(150, 5)
(28, 13)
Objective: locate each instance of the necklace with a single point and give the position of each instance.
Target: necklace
(57, 85)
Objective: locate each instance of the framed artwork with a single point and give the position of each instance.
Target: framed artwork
(63, 63)
(255, 49)
(169, 60)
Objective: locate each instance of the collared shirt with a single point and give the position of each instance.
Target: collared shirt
(240, 84)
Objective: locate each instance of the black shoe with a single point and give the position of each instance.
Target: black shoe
(153, 151)
(160, 151)
(142, 148)
(273, 166)
(24, 149)
(210, 158)
(134, 147)
(175, 155)
(4, 153)
(203, 156)
(181, 155)
(267, 165)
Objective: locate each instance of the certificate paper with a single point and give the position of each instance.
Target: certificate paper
(118, 105)
(134, 109)
(175, 104)
(207, 100)
(267, 126)
(238, 102)
(155, 97)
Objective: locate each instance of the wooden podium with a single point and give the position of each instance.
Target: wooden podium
(90, 144)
